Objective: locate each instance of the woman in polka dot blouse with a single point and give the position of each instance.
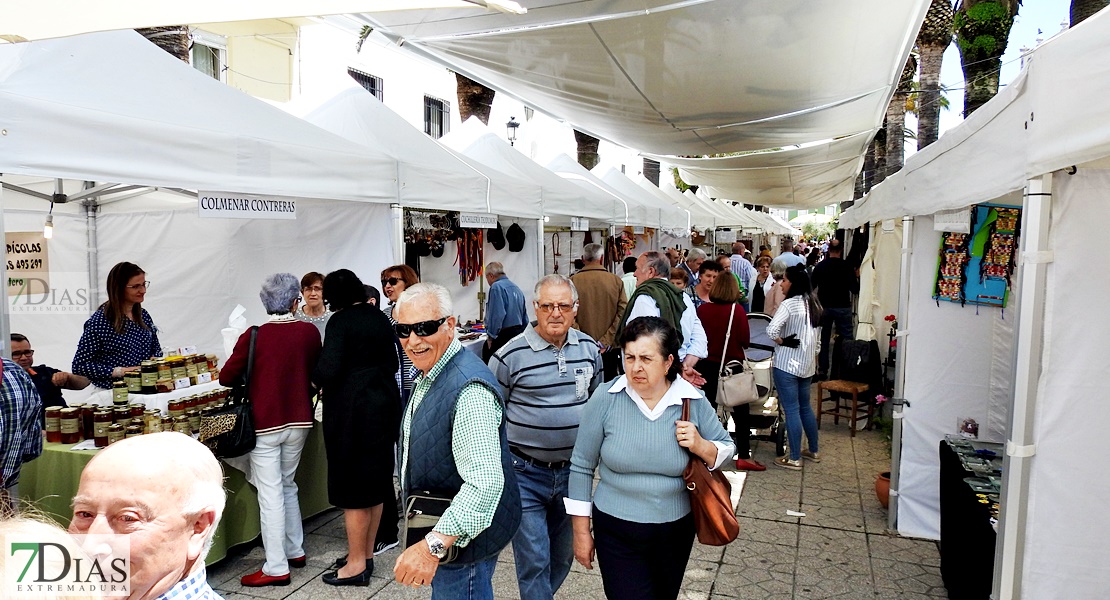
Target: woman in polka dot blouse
(120, 334)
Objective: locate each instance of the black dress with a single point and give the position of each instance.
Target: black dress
(362, 406)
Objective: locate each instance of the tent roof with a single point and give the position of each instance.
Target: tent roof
(699, 216)
(682, 77)
(560, 197)
(431, 176)
(112, 107)
(668, 216)
(634, 212)
(1054, 115)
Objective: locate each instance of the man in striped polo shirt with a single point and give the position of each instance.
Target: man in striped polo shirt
(547, 373)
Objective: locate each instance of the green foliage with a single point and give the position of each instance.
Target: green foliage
(982, 30)
(678, 182)
(816, 231)
(362, 35)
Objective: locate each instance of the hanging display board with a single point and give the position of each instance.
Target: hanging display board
(27, 263)
(976, 267)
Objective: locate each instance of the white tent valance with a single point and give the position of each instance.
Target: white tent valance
(112, 107)
(668, 216)
(635, 213)
(1031, 127)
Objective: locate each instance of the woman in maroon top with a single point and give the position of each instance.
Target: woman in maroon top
(285, 353)
(723, 301)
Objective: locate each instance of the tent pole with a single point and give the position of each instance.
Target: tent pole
(5, 306)
(1021, 447)
(539, 244)
(900, 370)
(398, 216)
(91, 206)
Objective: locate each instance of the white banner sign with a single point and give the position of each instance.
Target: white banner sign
(579, 224)
(478, 220)
(222, 205)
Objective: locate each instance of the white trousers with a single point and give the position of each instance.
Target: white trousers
(274, 462)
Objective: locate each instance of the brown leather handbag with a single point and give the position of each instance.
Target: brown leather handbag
(710, 499)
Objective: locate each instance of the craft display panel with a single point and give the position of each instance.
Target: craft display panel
(976, 268)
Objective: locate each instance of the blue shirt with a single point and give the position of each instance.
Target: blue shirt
(20, 423)
(195, 587)
(505, 307)
(101, 349)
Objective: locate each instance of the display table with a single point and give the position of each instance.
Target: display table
(967, 538)
(51, 481)
(159, 401)
(475, 345)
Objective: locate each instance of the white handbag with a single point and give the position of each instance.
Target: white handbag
(736, 380)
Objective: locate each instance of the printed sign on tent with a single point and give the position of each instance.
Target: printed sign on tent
(27, 260)
(224, 205)
(477, 220)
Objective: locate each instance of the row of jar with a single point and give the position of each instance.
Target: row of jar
(158, 375)
(70, 425)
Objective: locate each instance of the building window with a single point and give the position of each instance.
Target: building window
(372, 83)
(209, 54)
(437, 117)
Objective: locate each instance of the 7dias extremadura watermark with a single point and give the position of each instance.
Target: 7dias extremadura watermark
(64, 565)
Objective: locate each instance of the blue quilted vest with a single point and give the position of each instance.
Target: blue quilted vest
(431, 465)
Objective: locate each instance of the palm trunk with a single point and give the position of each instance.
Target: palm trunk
(173, 39)
(982, 29)
(928, 102)
(475, 99)
(981, 81)
(1081, 9)
(587, 149)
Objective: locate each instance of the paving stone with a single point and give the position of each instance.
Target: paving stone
(768, 532)
(848, 519)
(819, 542)
(904, 549)
(914, 578)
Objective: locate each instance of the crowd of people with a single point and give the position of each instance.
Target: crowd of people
(513, 436)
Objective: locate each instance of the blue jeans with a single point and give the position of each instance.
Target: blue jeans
(472, 581)
(842, 319)
(544, 545)
(794, 398)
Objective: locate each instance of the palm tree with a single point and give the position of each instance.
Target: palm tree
(475, 99)
(896, 119)
(587, 149)
(932, 41)
(173, 39)
(1081, 9)
(982, 29)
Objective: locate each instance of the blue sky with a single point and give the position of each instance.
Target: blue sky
(1043, 15)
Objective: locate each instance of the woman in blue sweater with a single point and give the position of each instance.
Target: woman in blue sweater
(632, 433)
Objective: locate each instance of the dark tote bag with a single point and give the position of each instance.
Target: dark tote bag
(228, 430)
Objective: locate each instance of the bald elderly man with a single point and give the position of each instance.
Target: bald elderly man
(164, 490)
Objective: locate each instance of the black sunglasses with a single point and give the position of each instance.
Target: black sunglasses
(391, 281)
(422, 329)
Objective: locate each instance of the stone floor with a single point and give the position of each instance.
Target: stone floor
(839, 549)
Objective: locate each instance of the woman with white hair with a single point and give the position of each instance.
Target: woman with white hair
(285, 353)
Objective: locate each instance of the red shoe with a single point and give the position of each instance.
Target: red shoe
(261, 579)
(749, 465)
(298, 563)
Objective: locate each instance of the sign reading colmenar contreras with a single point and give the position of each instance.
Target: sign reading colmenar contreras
(224, 205)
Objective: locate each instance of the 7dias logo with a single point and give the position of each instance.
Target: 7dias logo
(85, 565)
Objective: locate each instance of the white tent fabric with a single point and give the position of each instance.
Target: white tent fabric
(666, 215)
(777, 73)
(430, 176)
(560, 197)
(879, 275)
(1030, 128)
(740, 216)
(635, 213)
(43, 19)
(699, 216)
(112, 107)
(806, 177)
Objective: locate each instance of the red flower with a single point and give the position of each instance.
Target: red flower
(889, 318)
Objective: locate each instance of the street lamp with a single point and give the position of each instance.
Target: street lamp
(510, 130)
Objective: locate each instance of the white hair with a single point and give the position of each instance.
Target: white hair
(495, 270)
(695, 254)
(434, 290)
(592, 252)
(555, 279)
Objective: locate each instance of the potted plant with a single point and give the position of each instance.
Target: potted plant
(884, 425)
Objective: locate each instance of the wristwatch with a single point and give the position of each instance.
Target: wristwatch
(436, 545)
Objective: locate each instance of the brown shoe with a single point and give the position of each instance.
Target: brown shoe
(786, 463)
(814, 456)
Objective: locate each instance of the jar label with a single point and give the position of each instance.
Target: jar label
(69, 425)
(53, 423)
(100, 429)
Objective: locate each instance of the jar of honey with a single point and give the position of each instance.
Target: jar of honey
(153, 422)
(148, 376)
(164, 370)
(201, 364)
(102, 419)
(137, 411)
(167, 423)
(122, 415)
(177, 368)
(181, 425)
(70, 425)
(194, 419)
(133, 431)
(134, 382)
(119, 392)
(213, 362)
(190, 366)
(87, 411)
(115, 433)
(177, 408)
(54, 424)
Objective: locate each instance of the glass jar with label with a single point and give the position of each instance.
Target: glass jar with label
(190, 366)
(69, 424)
(134, 382)
(54, 424)
(122, 415)
(164, 370)
(148, 376)
(213, 363)
(181, 425)
(115, 433)
(133, 431)
(102, 419)
(167, 423)
(177, 408)
(194, 420)
(87, 411)
(201, 364)
(119, 392)
(137, 411)
(177, 368)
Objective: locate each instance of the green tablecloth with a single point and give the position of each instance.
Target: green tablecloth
(51, 480)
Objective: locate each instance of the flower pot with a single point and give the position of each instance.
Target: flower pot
(882, 488)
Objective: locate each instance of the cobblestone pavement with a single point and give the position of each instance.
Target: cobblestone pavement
(840, 549)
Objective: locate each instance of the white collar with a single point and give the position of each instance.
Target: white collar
(679, 390)
(285, 318)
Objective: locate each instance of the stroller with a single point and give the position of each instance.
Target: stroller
(766, 418)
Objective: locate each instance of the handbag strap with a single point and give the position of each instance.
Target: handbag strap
(250, 362)
(728, 333)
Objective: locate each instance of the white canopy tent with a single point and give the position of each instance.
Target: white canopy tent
(635, 213)
(1051, 118)
(699, 216)
(668, 216)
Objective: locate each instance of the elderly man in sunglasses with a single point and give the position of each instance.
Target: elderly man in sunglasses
(453, 443)
(547, 376)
